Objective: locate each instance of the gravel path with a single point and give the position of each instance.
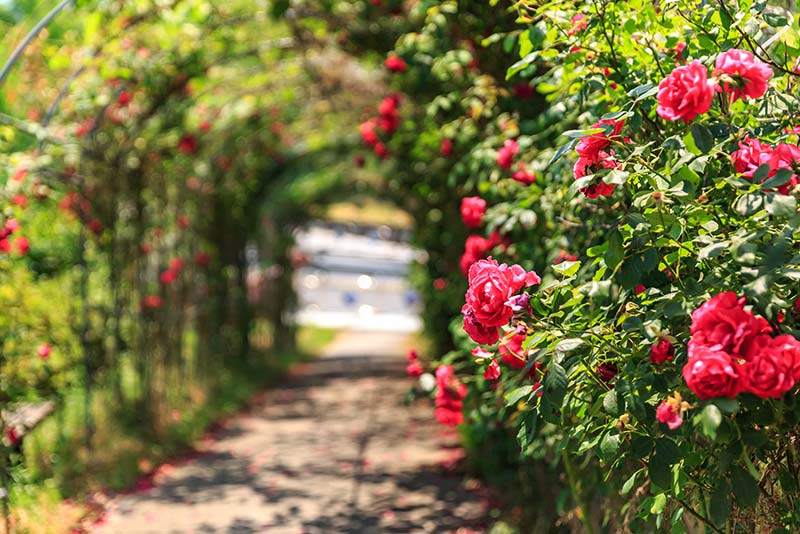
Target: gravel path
(333, 450)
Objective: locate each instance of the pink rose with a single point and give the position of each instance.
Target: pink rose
(667, 413)
(44, 351)
(579, 23)
(490, 287)
(685, 93)
(711, 373)
(753, 153)
(472, 211)
(744, 76)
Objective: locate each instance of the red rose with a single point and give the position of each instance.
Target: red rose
(395, 64)
(493, 371)
(523, 175)
(475, 248)
(380, 150)
(711, 373)
(23, 245)
(472, 211)
(685, 93)
(523, 90)
(447, 148)
(590, 145)
(511, 351)
(124, 98)
(490, 286)
(367, 129)
(414, 369)
(607, 371)
(506, 153)
(745, 76)
(661, 352)
(202, 259)
(723, 324)
(479, 333)
(168, 276)
(770, 372)
(187, 144)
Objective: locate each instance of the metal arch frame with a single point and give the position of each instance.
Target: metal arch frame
(31, 35)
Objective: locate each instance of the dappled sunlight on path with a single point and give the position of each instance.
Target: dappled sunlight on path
(333, 450)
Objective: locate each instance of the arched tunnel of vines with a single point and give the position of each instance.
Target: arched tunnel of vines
(399, 266)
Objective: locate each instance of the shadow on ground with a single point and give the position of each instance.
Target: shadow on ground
(333, 450)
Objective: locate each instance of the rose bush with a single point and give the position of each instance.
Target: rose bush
(662, 139)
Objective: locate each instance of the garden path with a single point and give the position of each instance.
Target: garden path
(333, 450)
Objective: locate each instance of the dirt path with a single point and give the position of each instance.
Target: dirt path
(332, 451)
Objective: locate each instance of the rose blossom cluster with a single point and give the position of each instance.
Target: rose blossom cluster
(387, 121)
(688, 91)
(595, 154)
(732, 351)
(753, 153)
(450, 393)
(477, 247)
(489, 303)
(6, 231)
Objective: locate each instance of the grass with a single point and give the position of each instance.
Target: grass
(57, 464)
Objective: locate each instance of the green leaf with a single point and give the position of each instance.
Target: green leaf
(703, 138)
(628, 485)
(659, 502)
(781, 205)
(762, 172)
(720, 506)
(668, 451)
(780, 178)
(567, 345)
(516, 395)
(611, 403)
(555, 383)
(615, 252)
(659, 472)
(567, 268)
(745, 487)
(710, 419)
(637, 92)
(561, 151)
(609, 446)
(727, 405)
(748, 204)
